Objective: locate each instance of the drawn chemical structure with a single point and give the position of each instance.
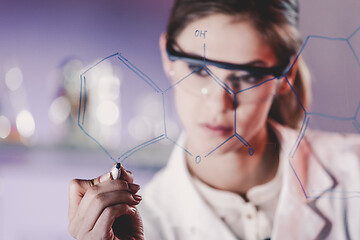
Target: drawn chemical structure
(308, 115)
(147, 80)
(355, 119)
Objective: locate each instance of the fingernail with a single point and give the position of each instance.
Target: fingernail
(128, 171)
(133, 209)
(115, 173)
(134, 187)
(137, 197)
(104, 177)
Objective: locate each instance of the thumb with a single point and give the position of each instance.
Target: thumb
(77, 190)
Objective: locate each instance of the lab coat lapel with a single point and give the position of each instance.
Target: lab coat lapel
(297, 215)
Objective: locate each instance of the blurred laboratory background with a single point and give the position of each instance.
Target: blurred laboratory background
(45, 46)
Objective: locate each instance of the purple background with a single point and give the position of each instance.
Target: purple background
(39, 35)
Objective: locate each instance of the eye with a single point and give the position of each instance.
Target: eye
(200, 70)
(247, 78)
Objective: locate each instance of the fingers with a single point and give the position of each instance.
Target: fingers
(79, 187)
(77, 190)
(102, 201)
(98, 190)
(97, 201)
(102, 195)
(122, 173)
(126, 175)
(98, 198)
(107, 217)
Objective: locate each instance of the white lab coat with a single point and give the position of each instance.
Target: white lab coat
(326, 165)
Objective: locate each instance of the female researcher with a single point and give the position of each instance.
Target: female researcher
(231, 194)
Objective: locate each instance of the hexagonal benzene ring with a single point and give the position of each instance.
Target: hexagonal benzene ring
(308, 115)
(101, 73)
(292, 157)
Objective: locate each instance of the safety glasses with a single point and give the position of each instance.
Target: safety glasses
(275, 71)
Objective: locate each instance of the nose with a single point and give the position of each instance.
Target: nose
(218, 98)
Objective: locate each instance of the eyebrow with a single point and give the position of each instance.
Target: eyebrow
(250, 67)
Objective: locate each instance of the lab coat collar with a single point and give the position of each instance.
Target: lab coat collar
(194, 215)
(296, 215)
(312, 176)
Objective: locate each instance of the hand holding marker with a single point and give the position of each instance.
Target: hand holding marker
(108, 203)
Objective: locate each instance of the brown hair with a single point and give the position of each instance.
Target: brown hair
(277, 23)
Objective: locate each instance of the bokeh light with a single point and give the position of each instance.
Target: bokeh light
(25, 123)
(59, 110)
(107, 113)
(14, 78)
(109, 88)
(140, 128)
(5, 127)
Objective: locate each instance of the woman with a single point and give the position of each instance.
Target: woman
(235, 193)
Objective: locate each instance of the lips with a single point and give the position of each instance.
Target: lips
(217, 130)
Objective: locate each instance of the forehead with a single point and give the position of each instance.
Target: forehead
(227, 39)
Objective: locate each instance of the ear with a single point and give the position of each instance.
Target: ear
(284, 86)
(167, 64)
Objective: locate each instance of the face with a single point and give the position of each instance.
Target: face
(211, 114)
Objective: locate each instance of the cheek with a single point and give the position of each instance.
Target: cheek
(255, 104)
(251, 117)
(186, 108)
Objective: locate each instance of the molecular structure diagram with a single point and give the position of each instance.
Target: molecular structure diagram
(354, 119)
(308, 115)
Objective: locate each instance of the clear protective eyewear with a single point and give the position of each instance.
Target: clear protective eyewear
(248, 82)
